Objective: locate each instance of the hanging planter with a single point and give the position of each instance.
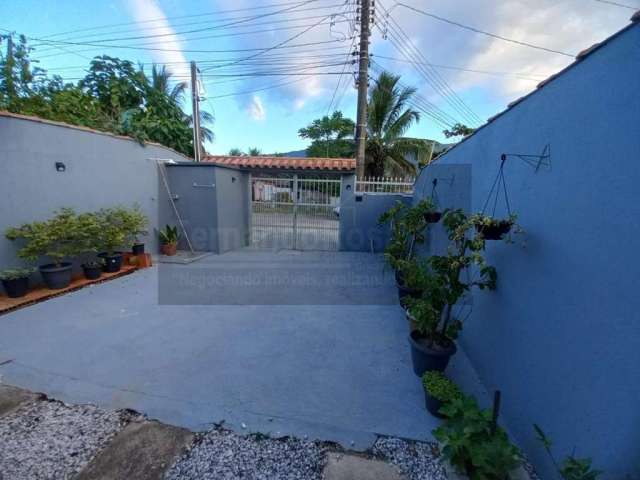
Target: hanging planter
(492, 229)
(432, 217)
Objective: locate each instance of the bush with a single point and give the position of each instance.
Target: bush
(440, 387)
(16, 273)
(473, 444)
(117, 226)
(56, 238)
(134, 222)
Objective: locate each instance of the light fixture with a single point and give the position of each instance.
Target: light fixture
(60, 167)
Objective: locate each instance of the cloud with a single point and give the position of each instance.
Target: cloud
(256, 109)
(149, 10)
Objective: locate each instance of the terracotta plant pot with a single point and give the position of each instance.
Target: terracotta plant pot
(169, 249)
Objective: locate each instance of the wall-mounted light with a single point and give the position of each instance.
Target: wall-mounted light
(233, 179)
(60, 167)
(348, 187)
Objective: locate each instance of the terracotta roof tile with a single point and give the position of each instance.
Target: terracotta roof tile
(284, 163)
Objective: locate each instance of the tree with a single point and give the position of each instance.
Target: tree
(458, 130)
(235, 152)
(254, 152)
(18, 78)
(389, 119)
(330, 136)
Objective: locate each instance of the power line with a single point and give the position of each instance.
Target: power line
(482, 32)
(524, 76)
(616, 4)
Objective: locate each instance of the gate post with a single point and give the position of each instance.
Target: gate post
(295, 211)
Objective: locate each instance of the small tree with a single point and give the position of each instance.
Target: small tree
(134, 223)
(113, 231)
(57, 238)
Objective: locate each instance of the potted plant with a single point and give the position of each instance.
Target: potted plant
(169, 240)
(473, 445)
(438, 390)
(56, 238)
(433, 341)
(410, 279)
(135, 224)
(493, 228)
(92, 269)
(15, 281)
(113, 233)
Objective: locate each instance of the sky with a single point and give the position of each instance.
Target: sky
(270, 67)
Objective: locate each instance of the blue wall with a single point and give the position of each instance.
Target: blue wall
(561, 336)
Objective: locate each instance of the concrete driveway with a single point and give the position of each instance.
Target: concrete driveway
(308, 344)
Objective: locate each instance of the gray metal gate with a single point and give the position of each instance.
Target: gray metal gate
(295, 212)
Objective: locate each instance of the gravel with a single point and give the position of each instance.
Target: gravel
(49, 439)
(224, 455)
(416, 460)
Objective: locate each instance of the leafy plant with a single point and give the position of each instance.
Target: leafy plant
(440, 387)
(134, 222)
(16, 273)
(571, 468)
(113, 231)
(169, 235)
(473, 443)
(445, 283)
(57, 238)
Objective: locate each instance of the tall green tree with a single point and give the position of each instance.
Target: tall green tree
(19, 78)
(458, 130)
(389, 118)
(331, 136)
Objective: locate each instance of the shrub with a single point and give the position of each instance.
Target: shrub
(134, 222)
(113, 229)
(473, 444)
(57, 238)
(16, 273)
(440, 387)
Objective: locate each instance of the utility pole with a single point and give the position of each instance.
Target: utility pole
(195, 107)
(363, 84)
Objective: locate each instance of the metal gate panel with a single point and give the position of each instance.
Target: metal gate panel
(295, 213)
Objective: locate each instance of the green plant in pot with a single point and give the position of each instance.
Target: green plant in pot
(56, 238)
(438, 391)
(433, 341)
(474, 446)
(89, 235)
(414, 275)
(169, 240)
(135, 224)
(15, 281)
(493, 228)
(113, 234)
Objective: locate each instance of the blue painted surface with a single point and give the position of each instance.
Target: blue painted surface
(560, 336)
(337, 371)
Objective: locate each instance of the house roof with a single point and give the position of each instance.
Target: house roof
(635, 21)
(284, 163)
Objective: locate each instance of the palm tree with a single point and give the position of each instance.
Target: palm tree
(389, 117)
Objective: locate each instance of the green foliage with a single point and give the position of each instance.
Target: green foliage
(389, 117)
(458, 130)
(473, 444)
(331, 136)
(440, 387)
(571, 468)
(169, 235)
(114, 96)
(236, 152)
(16, 273)
(58, 238)
(254, 152)
(114, 228)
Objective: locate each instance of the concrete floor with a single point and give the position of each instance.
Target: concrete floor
(294, 343)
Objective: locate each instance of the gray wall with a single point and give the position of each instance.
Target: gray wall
(101, 171)
(359, 213)
(560, 336)
(232, 209)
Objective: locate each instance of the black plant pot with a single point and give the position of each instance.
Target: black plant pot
(16, 287)
(112, 262)
(92, 272)
(56, 276)
(425, 358)
(433, 405)
(137, 248)
(432, 217)
(494, 231)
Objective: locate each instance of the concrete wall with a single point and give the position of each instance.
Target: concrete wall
(233, 206)
(359, 213)
(101, 171)
(560, 336)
